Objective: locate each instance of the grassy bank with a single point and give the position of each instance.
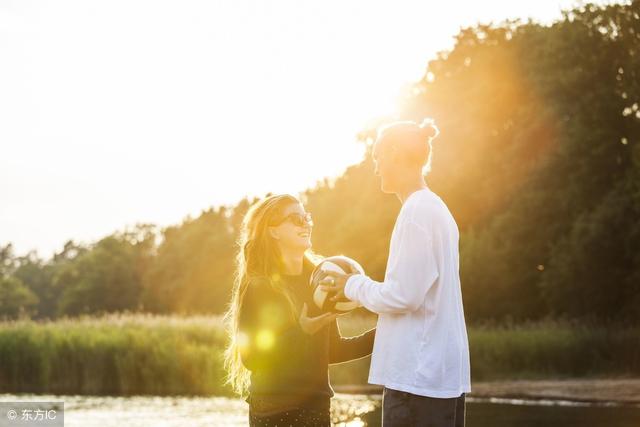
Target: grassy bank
(545, 350)
(118, 354)
(143, 354)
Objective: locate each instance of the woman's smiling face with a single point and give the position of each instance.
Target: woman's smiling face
(293, 229)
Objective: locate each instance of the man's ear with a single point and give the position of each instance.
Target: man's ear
(273, 232)
(394, 158)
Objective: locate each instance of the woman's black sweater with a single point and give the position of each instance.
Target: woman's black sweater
(284, 360)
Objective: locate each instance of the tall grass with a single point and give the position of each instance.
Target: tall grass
(115, 354)
(554, 350)
(164, 355)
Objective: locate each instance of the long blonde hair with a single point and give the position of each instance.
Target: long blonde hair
(258, 257)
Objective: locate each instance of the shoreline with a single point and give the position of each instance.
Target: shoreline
(596, 391)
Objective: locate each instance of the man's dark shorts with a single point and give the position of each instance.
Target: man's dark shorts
(400, 408)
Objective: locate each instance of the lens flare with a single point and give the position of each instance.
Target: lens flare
(265, 339)
(242, 339)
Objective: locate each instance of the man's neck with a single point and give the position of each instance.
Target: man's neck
(413, 185)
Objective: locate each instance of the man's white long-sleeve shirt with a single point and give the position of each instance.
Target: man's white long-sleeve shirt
(421, 344)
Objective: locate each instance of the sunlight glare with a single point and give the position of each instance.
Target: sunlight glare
(265, 339)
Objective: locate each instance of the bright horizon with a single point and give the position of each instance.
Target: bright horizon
(118, 113)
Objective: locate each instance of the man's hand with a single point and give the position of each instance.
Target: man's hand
(311, 325)
(335, 282)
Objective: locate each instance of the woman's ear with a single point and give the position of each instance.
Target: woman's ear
(273, 232)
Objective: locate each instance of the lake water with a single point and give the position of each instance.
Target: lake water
(348, 410)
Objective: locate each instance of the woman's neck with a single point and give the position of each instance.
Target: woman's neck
(292, 263)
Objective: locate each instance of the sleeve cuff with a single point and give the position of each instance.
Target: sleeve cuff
(351, 285)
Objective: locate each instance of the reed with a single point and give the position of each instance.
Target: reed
(128, 354)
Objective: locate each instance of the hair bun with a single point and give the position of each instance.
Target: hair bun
(429, 128)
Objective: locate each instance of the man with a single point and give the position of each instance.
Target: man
(421, 351)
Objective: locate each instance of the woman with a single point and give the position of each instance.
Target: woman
(280, 343)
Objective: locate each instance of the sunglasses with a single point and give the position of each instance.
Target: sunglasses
(297, 219)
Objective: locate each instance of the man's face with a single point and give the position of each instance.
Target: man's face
(384, 161)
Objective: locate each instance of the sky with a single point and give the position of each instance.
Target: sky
(114, 112)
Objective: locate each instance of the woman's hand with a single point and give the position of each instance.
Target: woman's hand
(311, 325)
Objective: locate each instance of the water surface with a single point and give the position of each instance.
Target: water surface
(347, 410)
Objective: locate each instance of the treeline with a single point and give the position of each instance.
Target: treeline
(538, 159)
